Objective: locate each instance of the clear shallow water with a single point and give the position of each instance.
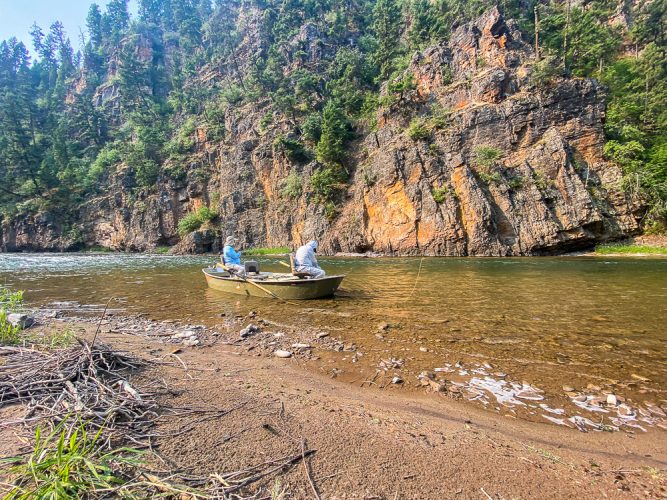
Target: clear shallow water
(545, 321)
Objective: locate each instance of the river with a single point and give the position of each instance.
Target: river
(597, 325)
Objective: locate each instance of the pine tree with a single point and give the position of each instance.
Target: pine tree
(387, 24)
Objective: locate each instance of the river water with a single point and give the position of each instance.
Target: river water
(499, 327)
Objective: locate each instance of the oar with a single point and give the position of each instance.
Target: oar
(284, 264)
(255, 284)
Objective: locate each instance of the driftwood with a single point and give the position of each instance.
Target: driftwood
(85, 381)
(90, 383)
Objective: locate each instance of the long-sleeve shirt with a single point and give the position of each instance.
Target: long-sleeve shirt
(230, 255)
(305, 255)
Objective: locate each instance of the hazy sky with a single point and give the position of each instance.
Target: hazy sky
(16, 17)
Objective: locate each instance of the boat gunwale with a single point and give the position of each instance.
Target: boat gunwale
(298, 281)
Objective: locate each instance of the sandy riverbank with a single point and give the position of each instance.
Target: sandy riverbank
(371, 443)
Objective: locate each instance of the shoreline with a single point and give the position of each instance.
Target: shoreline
(588, 253)
(639, 246)
(369, 441)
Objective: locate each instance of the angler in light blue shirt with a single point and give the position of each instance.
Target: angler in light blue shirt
(230, 257)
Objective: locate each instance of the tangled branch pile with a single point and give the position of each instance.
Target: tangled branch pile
(80, 393)
(84, 380)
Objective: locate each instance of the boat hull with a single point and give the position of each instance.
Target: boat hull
(292, 289)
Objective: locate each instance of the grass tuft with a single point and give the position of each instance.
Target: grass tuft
(69, 462)
(266, 251)
(625, 248)
(9, 302)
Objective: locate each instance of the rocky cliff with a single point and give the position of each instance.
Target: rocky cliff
(475, 155)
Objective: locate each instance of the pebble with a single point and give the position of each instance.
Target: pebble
(397, 380)
(568, 388)
(282, 354)
(611, 400)
(321, 335)
(301, 346)
(382, 327)
(423, 349)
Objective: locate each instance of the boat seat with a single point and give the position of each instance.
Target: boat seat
(294, 271)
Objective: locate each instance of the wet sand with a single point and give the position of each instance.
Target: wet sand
(370, 442)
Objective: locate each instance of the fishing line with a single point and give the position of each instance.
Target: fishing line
(417, 279)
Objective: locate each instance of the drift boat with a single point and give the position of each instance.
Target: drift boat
(281, 285)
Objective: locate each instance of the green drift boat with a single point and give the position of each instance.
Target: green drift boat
(279, 285)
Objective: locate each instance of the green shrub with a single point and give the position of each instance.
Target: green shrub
(232, 95)
(515, 182)
(487, 156)
(418, 130)
(545, 70)
(292, 187)
(147, 172)
(312, 128)
(266, 120)
(205, 214)
(293, 149)
(398, 88)
(330, 210)
(440, 117)
(183, 140)
(490, 177)
(175, 171)
(440, 194)
(542, 182)
(446, 74)
(108, 157)
(191, 222)
(324, 183)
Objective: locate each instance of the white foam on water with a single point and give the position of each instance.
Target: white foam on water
(504, 392)
(557, 411)
(557, 421)
(584, 405)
